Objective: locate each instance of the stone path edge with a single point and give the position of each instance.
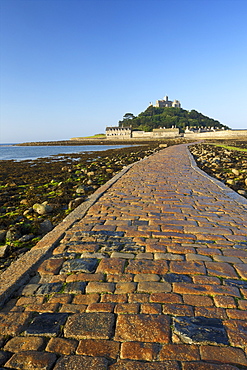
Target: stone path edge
(228, 191)
(20, 271)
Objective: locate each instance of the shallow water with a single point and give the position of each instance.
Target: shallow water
(20, 153)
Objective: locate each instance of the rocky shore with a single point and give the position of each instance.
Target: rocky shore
(220, 160)
(98, 141)
(36, 195)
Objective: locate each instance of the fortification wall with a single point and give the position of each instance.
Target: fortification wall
(224, 134)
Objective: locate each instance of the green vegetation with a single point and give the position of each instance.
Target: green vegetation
(154, 117)
(97, 136)
(230, 147)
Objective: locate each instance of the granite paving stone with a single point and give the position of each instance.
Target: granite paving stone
(98, 348)
(237, 332)
(139, 351)
(13, 323)
(124, 308)
(62, 346)
(136, 365)
(81, 363)
(90, 326)
(151, 308)
(188, 267)
(207, 366)
(31, 360)
(153, 287)
(73, 308)
(152, 276)
(221, 269)
(180, 352)
(222, 354)
(95, 287)
(147, 266)
(51, 266)
(143, 328)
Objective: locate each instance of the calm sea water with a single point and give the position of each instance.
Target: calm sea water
(19, 153)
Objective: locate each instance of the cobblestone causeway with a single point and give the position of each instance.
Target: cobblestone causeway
(153, 277)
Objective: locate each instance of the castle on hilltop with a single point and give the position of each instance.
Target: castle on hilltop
(165, 103)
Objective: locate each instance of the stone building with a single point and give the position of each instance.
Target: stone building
(118, 132)
(165, 103)
(123, 133)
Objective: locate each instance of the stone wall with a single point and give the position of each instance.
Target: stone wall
(141, 134)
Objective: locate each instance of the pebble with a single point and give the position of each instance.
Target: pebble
(45, 227)
(26, 238)
(235, 171)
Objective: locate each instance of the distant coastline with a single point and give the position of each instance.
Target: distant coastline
(89, 142)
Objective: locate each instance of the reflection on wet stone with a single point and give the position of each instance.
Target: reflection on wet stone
(177, 278)
(47, 324)
(49, 288)
(200, 330)
(76, 287)
(236, 283)
(87, 265)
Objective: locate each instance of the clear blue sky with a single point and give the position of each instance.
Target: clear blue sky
(71, 67)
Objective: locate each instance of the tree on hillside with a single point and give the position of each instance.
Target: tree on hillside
(128, 116)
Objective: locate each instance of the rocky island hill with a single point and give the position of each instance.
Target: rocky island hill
(169, 117)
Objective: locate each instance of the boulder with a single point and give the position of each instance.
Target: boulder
(75, 203)
(42, 208)
(80, 189)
